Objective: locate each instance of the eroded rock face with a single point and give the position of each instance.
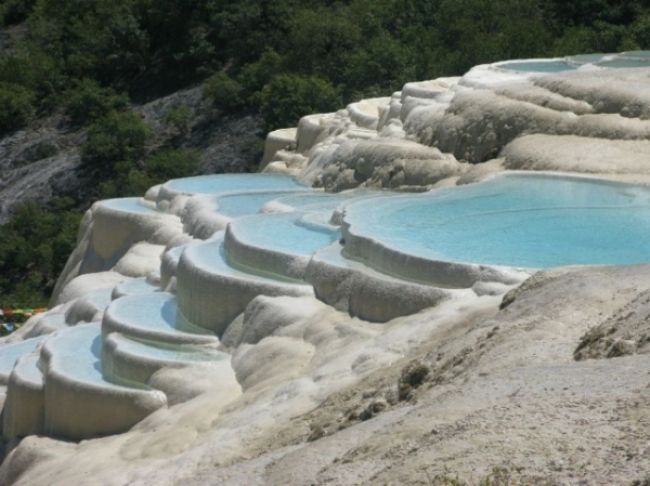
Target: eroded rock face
(38, 163)
(625, 332)
(570, 153)
(389, 163)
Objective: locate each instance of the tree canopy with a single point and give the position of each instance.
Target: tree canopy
(147, 48)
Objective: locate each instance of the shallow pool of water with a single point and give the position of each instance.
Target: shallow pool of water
(129, 205)
(223, 183)
(236, 205)
(9, 353)
(631, 59)
(211, 257)
(530, 221)
(166, 352)
(550, 66)
(78, 352)
(283, 233)
(322, 200)
(623, 62)
(155, 311)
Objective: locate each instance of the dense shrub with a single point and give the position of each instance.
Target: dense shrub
(14, 11)
(15, 107)
(147, 48)
(225, 92)
(34, 247)
(103, 39)
(119, 136)
(255, 75)
(321, 41)
(179, 118)
(132, 178)
(384, 66)
(88, 102)
(35, 71)
(287, 98)
(171, 164)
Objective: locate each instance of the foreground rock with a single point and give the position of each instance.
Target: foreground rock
(506, 379)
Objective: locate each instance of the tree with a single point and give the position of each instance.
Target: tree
(89, 101)
(16, 107)
(289, 97)
(225, 92)
(119, 136)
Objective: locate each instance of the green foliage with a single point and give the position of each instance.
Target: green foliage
(321, 40)
(640, 31)
(35, 71)
(128, 180)
(103, 39)
(289, 97)
(472, 32)
(88, 102)
(255, 75)
(135, 178)
(148, 47)
(241, 30)
(15, 107)
(171, 164)
(39, 151)
(225, 92)
(384, 66)
(15, 11)
(179, 118)
(119, 136)
(34, 247)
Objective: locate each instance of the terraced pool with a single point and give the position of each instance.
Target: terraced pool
(223, 183)
(530, 221)
(631, 59)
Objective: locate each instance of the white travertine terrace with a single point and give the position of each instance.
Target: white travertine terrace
(171, 299)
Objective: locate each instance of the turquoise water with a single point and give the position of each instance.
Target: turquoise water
(586, 58)
(78, 351)
(29, 370)
(164, 352)
(625, 62)
(322, 200)
(223, 183)
(154, 311)
(519, 220)
(282, 233)
(9, 353)
(637, 54)
(136, 286)
(129, 205)
(100, 298)
(211, 257)
(237, 205)
(538, 66)
(631, 59)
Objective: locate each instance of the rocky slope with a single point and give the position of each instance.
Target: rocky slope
(43, 160)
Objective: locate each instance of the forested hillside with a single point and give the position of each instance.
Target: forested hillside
(91, 61)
